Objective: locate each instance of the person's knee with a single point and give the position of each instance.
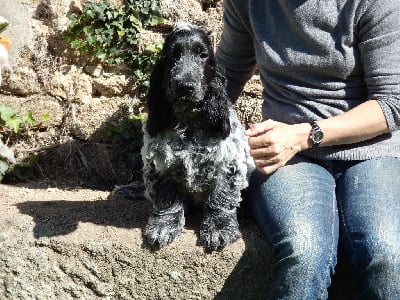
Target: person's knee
(307, 250)
(383, 246)
(384, 261)
(379, 279)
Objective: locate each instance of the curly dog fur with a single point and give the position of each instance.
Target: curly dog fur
(194, 147)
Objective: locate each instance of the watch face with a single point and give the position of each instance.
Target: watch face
(318, 136)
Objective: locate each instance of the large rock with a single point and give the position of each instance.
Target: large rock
(46, 110)
(22, 81)
(69, 83)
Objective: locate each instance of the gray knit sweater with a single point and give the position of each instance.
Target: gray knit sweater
(317, 59)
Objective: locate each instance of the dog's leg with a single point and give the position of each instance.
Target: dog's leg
(167, 219)
(220, 226)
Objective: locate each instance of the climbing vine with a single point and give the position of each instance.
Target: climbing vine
(110, 33)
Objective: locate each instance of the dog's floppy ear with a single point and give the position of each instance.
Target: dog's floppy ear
(217, 107)
(160, 113)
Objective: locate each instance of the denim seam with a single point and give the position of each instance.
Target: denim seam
(346, 230)
(332, 250)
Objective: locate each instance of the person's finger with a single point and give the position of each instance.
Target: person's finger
(268, 170)
(259, 128)
(265, 161)
(265, 152)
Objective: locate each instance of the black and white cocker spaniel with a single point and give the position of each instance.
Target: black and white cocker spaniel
(194, 148)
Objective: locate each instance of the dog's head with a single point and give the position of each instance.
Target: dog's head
(185, 82)
(190, 64)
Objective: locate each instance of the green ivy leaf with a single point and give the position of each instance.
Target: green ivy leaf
(29, 117)
(6, 112)
(102, 56)
(14, 123)
(76, 44)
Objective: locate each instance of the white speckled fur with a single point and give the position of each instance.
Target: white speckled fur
(202, 159)
(183, 25)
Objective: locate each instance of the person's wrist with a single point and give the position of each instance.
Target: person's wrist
(304, 132)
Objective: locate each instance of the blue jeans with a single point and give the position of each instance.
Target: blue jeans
(303, 208)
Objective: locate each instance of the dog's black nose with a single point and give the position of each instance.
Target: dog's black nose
(185, 87)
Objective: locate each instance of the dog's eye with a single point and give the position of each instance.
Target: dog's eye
(200, 51)
(176, 53)
(203, 55)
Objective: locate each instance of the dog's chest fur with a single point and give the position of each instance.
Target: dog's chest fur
(196, 163)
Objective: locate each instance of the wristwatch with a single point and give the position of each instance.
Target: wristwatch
(317, 135)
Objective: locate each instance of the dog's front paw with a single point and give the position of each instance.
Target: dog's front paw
(219, 231)
(162, 229)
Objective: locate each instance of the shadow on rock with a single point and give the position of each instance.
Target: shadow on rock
(251, 277)
(101, 159)
(60, 217)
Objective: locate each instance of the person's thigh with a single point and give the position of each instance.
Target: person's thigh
(369, 202)
(296, 210)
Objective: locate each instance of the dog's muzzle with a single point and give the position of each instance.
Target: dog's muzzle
(185, 89)
(186, 95)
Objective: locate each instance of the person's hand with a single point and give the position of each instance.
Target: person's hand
(273, 144)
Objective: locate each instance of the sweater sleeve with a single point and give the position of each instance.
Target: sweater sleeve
(379, 43)
(235, 52)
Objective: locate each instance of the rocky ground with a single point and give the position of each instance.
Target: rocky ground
(80, 244)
